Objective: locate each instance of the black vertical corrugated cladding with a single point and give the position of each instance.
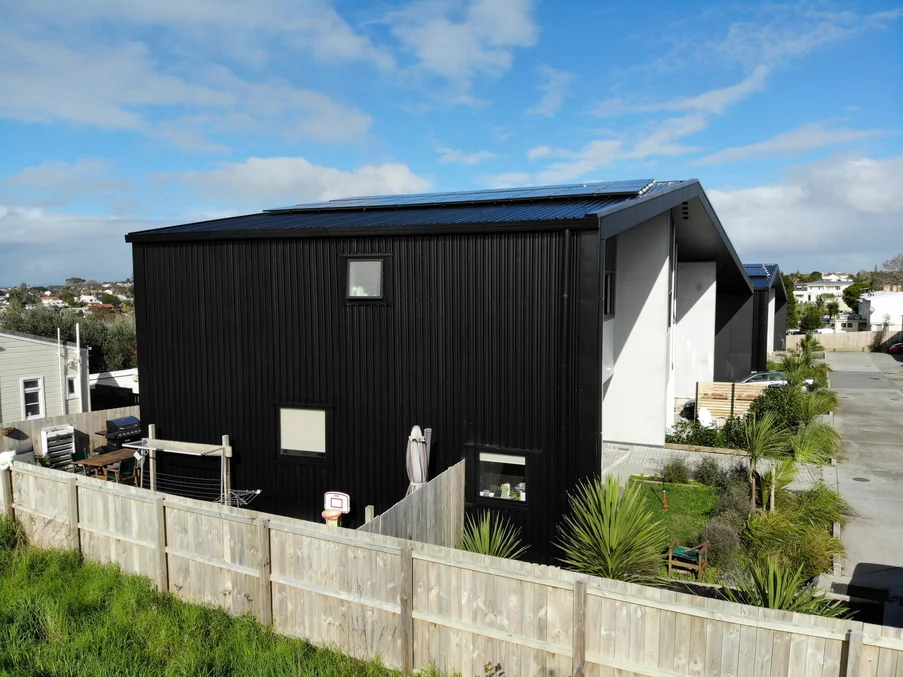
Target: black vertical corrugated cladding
(468, 342)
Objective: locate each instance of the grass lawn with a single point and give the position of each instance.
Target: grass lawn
(690, 507)
(60, 617)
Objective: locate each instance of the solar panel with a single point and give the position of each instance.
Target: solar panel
(633, 187)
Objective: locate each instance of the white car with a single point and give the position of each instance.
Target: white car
(774, 379)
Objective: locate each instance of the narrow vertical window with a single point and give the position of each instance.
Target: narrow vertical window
(72, 387)
(608, 290)
(33, 398)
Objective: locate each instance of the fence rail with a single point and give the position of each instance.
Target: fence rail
(416, 604)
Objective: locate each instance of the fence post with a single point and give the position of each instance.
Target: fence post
(854, 653)
(369, 514)
(263, 565)
(6, 492)
(160, 544)
(578, 638)
(74, 540)
(406, 595)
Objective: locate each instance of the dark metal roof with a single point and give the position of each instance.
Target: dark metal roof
(583, 190)
(479, 209)
(762, 275)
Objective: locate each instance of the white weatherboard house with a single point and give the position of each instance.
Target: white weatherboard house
(40, 377)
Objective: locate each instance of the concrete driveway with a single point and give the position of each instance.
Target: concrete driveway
(870, 418)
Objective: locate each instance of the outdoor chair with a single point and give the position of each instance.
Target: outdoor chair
(691, 559)
(77, 456)
(128, 472)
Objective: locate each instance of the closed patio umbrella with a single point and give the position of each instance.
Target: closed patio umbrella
(417, 460)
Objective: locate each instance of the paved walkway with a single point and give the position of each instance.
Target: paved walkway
(870, 418)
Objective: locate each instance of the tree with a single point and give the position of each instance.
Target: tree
(74, 281)
(793, 317)
(814, 275)
(820, 303)
(112, 299)
(810, 318)
(894, 264)
(763, 437)
(833, 308)
(852, 293)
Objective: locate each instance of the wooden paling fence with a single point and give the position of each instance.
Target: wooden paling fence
(725, 400)
(87, 423)
(433, 514)
(417, 605)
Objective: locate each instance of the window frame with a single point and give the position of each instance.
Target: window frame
(72, 381)
(304, 457)
(383, 278)
(531, 460)
(610, 277)
(42, 401)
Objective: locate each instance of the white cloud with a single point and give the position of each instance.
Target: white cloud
(458, 45)
(260, 183)
(539, 152)
(123, 87)
(799, 140)
(659, 140)
(453, 156)
(842, 213)
(313, 26)
(555, 89)
(57, 183)
(42, 246)
(713, 101)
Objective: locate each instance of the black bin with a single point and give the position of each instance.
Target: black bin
(122, 430)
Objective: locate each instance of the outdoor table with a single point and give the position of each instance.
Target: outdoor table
(103, 460)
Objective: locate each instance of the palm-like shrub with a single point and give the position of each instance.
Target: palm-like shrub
(786, 538)
(816, 404)
(774, 585)
(819, 505)
(764, 437)
(485, 537)
(611, 533)
(816, 443)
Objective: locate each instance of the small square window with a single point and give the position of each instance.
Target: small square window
(503, 476)
(365, 278)
(302, 432)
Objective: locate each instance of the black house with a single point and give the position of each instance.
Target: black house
(769, 312)
(317, 335)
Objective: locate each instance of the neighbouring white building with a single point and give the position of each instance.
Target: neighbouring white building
(808, 292)
(836, 277)
(40, 377)
(876, 307)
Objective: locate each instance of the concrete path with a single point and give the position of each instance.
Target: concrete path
(870, 418)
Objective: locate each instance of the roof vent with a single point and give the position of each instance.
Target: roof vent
(685, 210)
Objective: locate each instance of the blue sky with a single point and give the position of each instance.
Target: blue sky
(119, 115)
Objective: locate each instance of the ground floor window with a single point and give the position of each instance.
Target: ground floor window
(33, 397)
(503, 476)
(303, 431)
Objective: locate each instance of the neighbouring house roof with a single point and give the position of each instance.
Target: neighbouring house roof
(610, 206)
(35, 339)
(764, 276)
(123, 378)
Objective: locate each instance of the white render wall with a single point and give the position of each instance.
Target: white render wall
(633, 408)
(769, 340)
(694, 333)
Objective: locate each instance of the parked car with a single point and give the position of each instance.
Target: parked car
(774, 379)
(896, 349)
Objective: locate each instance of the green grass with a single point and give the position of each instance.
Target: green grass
(62, 618)
(690, 507)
